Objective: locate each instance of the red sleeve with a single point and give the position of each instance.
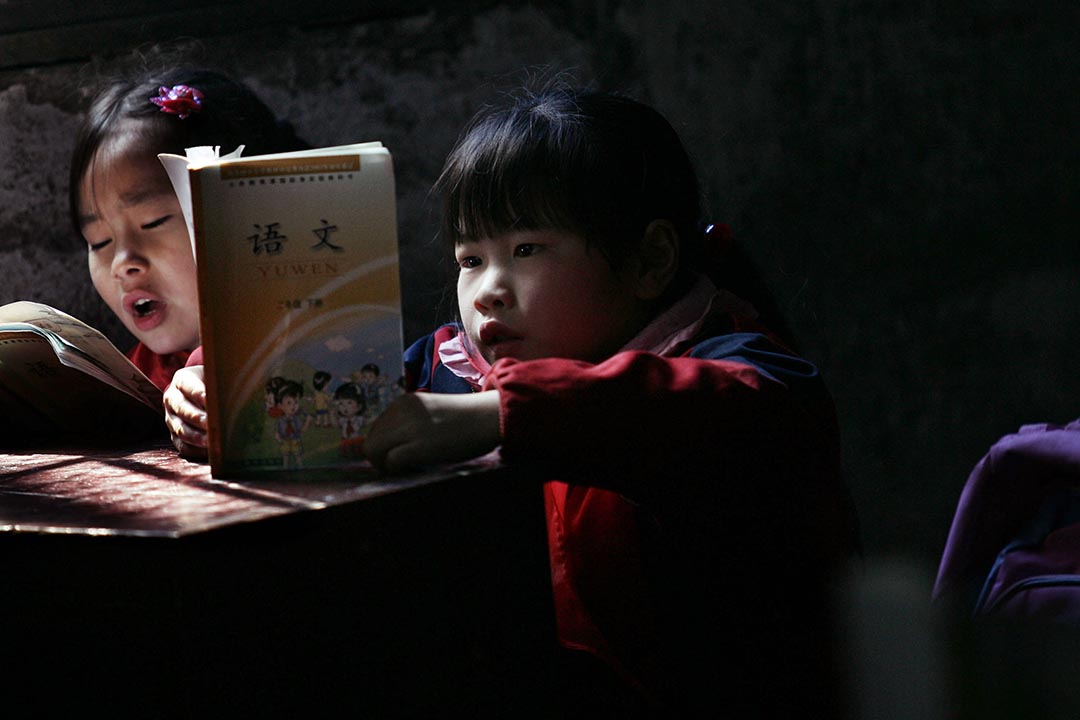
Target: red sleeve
(637, 409)
(683, 435)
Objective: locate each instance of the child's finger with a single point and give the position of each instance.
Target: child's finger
(378, 445)
(181, 406)
(402, 458)
(194, 452)
(189, 382)
(185, 432)
(193, 416)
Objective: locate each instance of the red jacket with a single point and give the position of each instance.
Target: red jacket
(695, 510)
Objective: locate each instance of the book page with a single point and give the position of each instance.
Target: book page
(43, 399)
(82, 347)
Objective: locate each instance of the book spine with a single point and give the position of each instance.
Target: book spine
(206, 328)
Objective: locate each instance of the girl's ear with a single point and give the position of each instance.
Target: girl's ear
(657, 259)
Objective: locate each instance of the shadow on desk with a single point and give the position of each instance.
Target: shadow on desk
(426, 598)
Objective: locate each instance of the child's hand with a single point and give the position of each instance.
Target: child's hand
(185, 411)
(424, 428)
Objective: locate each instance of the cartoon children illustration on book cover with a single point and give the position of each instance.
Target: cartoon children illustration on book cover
(322, 398)
(349, 405)
(291, 423)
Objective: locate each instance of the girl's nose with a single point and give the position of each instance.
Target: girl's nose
(495, 291)
(128, 259)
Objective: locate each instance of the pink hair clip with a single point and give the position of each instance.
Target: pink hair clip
(179, 100)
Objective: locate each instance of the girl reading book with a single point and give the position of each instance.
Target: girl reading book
(123, 205)
(690, 461)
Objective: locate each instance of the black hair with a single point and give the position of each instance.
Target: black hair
(288, 388)
(597, 164)
(351, 391)
(370, 367)
(319, 379)
(230, 115)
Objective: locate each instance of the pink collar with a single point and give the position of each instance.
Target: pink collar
(455, 356)
(684, 319)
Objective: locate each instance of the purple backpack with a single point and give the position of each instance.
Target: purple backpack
(1014, 546)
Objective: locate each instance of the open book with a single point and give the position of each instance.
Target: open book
(62, 380)
(300, 301)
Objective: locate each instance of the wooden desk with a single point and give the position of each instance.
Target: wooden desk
(135, 583)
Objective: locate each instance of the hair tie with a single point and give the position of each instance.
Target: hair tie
(180, 100)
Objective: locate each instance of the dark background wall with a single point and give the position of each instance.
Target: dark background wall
(905, 173)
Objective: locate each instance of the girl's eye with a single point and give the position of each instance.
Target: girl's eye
(156, 223)
(469, 261)
(526, 249)
(94, 247)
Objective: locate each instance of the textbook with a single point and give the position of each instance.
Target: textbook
(62, 380)
(300, 301)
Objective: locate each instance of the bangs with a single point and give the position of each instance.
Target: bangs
(515, 171)
(595, 165)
